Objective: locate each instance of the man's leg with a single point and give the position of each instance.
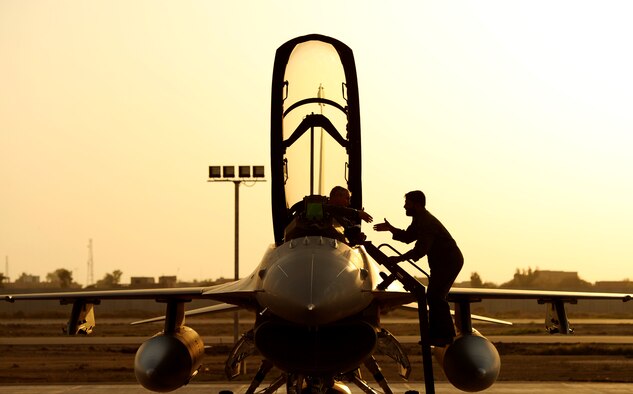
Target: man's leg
(440, 321)
(441, 325)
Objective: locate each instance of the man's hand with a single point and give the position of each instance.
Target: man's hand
(386, 226)
(394, 259)
(365, 216)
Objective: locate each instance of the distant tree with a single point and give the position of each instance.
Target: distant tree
(475, 280)
(2, 279)
(61, 276)
(111, 280)
(116, 276)
(24, 278)
(522, 279)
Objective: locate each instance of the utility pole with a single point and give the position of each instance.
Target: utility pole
(227, 174)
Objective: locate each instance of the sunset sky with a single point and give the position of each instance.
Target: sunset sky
(514, 117)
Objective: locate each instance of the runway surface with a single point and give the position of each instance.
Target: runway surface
(222, 320)
(440, 388)
(215, 340)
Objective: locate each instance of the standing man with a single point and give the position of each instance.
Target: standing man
(444, 257)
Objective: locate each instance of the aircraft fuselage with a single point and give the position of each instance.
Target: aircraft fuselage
(318, 315)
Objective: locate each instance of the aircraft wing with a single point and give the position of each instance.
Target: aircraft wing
(391, 299)
(403, 299)
(556, 321)
(240, 293)
(465, 296)
(414, 306)
(184, 293)
(473, 294)
(235, 294)
(218, 308)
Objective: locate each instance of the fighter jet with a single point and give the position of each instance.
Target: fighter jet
(320, 290)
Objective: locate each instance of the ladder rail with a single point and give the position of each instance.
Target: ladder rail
(396, 251)
(411, 284)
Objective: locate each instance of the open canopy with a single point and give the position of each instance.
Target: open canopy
(315, 124)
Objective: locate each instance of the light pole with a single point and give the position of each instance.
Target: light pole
(227, 174)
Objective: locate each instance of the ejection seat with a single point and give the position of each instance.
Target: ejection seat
(310, 217)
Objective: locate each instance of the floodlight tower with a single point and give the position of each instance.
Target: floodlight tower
(227, 174)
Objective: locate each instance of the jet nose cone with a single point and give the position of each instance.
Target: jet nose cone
(315, 283)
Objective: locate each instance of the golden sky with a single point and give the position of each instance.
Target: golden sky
(513, 117)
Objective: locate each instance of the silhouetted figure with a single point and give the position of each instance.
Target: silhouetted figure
(444, 257)
(349, 218)
(340, 196)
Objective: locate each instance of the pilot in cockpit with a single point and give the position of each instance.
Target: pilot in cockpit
(348, 218)
(332, 218)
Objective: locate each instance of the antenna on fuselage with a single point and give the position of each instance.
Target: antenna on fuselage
(321, 95)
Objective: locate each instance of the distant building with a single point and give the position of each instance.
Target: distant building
(622, 286)
(167, 281)
(27, 279)
(142, 281)
(551, 279)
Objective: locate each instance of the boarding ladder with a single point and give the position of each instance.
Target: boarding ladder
(412, 285)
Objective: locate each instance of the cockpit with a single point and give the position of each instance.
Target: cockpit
(310, 217)
(315, 135)
(315, 216)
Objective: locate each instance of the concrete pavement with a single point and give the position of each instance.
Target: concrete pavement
(399, 388)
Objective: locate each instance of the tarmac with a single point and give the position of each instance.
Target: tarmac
(399, 388)
(216, 340)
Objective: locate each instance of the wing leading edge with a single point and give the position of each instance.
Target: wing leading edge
(240, 293)
(456, 294)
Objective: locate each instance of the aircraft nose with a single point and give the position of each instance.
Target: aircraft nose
(315, 281)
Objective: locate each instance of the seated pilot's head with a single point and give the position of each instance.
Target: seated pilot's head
(340, 196)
